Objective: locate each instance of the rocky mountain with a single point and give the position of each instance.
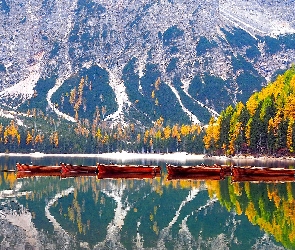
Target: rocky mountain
(134, 61)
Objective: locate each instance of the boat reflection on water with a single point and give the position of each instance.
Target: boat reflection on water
(127, 175)
(268, 179)
(200, 177)
(26, 174)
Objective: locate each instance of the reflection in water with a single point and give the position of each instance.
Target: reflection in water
(165, 232)
(112, 240)
(17, 215)
(23, 220)
(57, 227)
(90, 213)
(270, 206)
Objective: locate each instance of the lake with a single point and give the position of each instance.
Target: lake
(91, 213)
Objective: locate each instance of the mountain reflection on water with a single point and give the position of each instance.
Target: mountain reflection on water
(90, 213)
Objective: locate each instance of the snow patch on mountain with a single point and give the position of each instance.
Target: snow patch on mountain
(122, 99)
(259, 18)
(24, 89)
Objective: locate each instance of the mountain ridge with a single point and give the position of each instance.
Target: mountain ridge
(197, 49)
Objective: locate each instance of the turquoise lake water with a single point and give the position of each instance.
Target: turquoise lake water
(90, 213)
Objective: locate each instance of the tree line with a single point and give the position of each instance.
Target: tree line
(45, 134)
(264, 125)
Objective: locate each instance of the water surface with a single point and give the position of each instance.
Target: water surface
(90, 213)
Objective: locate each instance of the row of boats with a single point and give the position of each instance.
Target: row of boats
(198, 172)
(238, 174)
(101, 171)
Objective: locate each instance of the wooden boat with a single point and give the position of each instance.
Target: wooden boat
(67, 168)
(37, 168)
(198, 170)
(262, 174)
(130, 169)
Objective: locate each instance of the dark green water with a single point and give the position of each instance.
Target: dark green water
(89, 213)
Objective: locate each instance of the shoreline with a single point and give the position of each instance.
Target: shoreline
(159, 156)
(113, 155)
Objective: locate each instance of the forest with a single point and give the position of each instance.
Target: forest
(45, 134)
(264, 125)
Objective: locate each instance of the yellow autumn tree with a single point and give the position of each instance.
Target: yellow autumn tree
(175, 132)
(29, 138)
(11, 132)
(39, 139)
(212, 134)
(167, 132)
(54, 139)
(289, 110)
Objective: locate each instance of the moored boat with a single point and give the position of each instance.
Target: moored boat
(37, 168)
(68, 168)
(262, 174)
(215, 170)
(131, 169)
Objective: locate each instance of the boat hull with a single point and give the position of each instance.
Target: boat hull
(262, 174)
(193, 170)
(37, 168)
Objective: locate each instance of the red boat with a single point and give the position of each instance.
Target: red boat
(262, 174)
(195, 172)
(68, 168)
(37, 168)
(128, 169)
